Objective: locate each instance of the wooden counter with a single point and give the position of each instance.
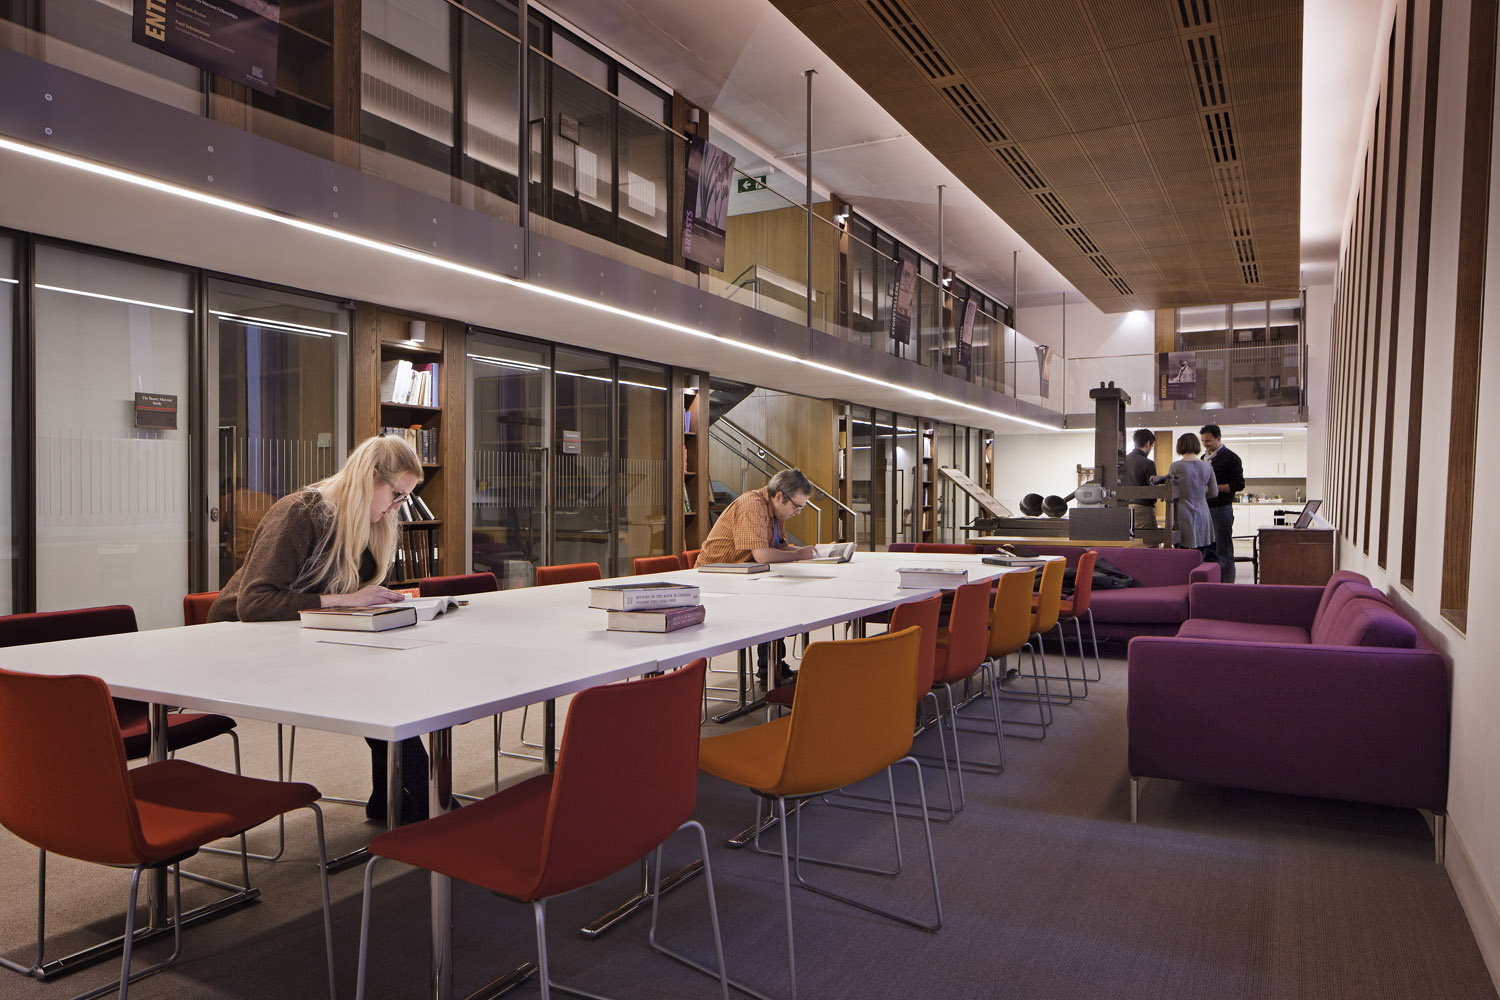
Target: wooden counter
(1296, 555)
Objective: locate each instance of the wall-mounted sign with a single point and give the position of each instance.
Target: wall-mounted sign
(567, 127)
(744, 185)
(1043, 369)
(155, 411)
(706, 209)
(901, 293)
(1177, 375)
(572, 442)
(234, 40)
(966, 333)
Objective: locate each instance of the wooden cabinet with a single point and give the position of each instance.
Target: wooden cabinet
(1296, 555)
(382, 341)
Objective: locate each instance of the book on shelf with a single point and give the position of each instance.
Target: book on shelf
(642, 596)
(687, 500)
(423, 440)
(833, 552)
(405, 384)
(377, 619)
(925, 578)
(428, 608)
(745, 567)
(663, 620)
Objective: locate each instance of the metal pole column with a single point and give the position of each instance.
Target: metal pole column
(809, 74)
(523, 144)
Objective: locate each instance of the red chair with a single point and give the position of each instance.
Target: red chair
(950, 548)
(963, 650)
(547, 576)
(1072, 609)
(656, 564)
(690, 558)
(457, 586)
(65, 789)
(901, 547)
(195, 607)
(619, 792)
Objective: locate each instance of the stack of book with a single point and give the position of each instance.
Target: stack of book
(931, 578)
(648, 607)
(406, 384)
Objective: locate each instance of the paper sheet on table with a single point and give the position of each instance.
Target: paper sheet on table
(792, 577)
(379, 641)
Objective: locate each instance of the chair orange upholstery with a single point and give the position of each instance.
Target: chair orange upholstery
(195, 607)
(690, 558)
(184, 729)
(951, 548)
(850, 719)
(64, 788)
(547, 576)
(619, 791)
(1010, 632)
(457, 586)
(656, 564)
(1073, 609)
(1046, 607)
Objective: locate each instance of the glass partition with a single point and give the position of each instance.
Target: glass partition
(9, 293)
(645, 474)
(583, 394)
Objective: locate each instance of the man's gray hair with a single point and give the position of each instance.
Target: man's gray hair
(790, 482)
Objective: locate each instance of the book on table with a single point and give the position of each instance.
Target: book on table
(662, 620)
(924, 577)
(746, 567)
(1001, 559)
(834, 552)
(642, 596)
(429, 608)
(376, 619)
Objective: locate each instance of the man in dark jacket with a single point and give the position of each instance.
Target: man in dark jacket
(1139, 468)
(1230, 473)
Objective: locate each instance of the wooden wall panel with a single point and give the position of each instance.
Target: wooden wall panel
(778, 240)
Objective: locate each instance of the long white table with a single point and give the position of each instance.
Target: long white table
(503, 651)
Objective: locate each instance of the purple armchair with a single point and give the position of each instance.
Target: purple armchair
(1322, 691)
(1157, 604)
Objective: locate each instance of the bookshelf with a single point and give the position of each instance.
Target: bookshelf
(432, 420)
(690, 462)
(927, 486)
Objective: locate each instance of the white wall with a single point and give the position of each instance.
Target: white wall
(1039, 463)
(1317, 324)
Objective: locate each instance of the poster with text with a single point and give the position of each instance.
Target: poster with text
(1043, 369)
(1178, 375)
(706, 210)
(966, 333)
(901, 293)
(234, 40)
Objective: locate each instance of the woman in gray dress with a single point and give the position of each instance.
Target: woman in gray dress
(1195, 484)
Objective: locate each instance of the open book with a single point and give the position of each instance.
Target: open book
(833, 552)
(428, 608)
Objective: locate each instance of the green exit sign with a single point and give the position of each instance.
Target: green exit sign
(744, 185)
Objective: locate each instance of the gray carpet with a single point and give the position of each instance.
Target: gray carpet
(1048, 892)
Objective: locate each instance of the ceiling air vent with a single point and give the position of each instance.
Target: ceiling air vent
(1105, 265)
(910, 36)
(1081, 237)
(1195, 13)
(1203, 54)
(1016, 160)
(975, 113)
(1220, 136)
(1122, 286)
(1054, 207)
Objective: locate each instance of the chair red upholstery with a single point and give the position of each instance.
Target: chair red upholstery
(951, 548)
(64, 788)
(195, 607)
(963, 649)
(902, 547)
(656, 564)
(619, 791)
(457, 586)
(1074, 608)
(690, 558)
(546, 576)
(184, 729)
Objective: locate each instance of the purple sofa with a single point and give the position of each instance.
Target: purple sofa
(1157, 604)
(1323, 691)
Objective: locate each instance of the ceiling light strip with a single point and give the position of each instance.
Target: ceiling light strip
(113, 298)
(390, 249)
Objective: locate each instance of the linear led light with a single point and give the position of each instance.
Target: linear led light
(114, 298)
(390, 249)
(278, 324)
(10, 281)
(485, 359)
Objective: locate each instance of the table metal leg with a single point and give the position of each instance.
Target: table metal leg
(549, 735)
(641, 899)
(157, 898)
(745, 705)
(439, 796)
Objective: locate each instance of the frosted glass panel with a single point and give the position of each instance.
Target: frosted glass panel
(8, 291)
(112, 500)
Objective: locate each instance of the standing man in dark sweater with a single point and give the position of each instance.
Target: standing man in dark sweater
(1230, 473)
(1139, 468)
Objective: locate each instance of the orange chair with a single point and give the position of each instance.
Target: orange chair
(65, 789)
(656, 564)
(963, 651)
(619, 792)
(1073, 609)
(195, 607)
(1010, 632)
(458, 585)
(547, 576)
(690, 558)
(1046, 606)
(950, 548)
(850, 720)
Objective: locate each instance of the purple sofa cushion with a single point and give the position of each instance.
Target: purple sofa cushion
(1337, 580)
(1349, 591)
(1143, 605)
(1210, 628)
(1148, 567)
(1365, 622)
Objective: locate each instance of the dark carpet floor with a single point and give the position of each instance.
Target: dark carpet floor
(1048, 891)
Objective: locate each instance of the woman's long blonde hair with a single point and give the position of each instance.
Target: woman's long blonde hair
(346, 499)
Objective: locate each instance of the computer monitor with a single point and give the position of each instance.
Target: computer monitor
(1305, 518)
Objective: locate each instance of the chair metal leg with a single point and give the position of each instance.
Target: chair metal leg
(539, 908)
(126, 976)
(713, 915)
(1094, 638)
(1135, 798)
(364, 930)
(333, 990)
(797, 857)
(786, 890)
(984, 767)
(1439, 836)
(954, 808)
(1043, 699)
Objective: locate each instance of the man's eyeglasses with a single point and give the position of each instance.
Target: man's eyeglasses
(797, 508)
